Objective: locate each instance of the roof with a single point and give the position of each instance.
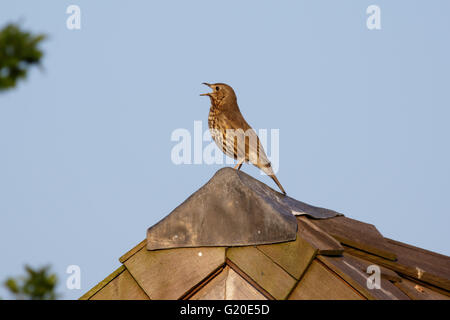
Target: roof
(328, 259)
(232, 209)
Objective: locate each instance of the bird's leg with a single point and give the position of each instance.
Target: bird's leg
(239, 164)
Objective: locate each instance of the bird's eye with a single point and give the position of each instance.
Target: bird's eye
(217, 88)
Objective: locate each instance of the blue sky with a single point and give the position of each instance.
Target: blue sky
(85, 145)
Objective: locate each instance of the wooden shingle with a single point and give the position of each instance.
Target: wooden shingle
(318, 238)
(133, 250)
(213, 289)
(386, 273)
(417, 292)
(426, 266)
(123, 287)
(293, 256)
(170, 274)
(318, 283)
(357, 234)
(264, 271)
(353, 272)
(228, 285)
(102, 283)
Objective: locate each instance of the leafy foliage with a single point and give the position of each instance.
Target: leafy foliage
(37, 284)
(18, 51)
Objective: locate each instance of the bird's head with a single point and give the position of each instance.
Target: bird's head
(222, 93)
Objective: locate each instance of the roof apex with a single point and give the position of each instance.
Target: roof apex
(232, 209)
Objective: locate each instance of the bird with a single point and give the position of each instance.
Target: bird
(232, 134)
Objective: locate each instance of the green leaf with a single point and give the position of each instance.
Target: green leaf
(19, 50)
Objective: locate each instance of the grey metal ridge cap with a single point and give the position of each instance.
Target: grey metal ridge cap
(231, 209)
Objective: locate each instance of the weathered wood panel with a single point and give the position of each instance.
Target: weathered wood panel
(123, 287)
(354, 272)
(385, 272)
(294, 256)
(428, 266)
(420, 264)
(102, 283)
(171, 273)
(262, 270)
(214, 289)
(357, 234)
(135, 249)
(318, 238)
(239, 289)
(228, 285)
(417, 292)
(318, 283)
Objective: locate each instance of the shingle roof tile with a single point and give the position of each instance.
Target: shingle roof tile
(171, 273)
(357, 234)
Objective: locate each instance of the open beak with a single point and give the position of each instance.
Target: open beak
(206, 94)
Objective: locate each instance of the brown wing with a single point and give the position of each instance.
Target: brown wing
(241, 141)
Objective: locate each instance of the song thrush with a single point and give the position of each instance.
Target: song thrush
(232, 133)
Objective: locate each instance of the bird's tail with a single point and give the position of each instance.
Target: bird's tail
(278, 183)
(267, 168)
